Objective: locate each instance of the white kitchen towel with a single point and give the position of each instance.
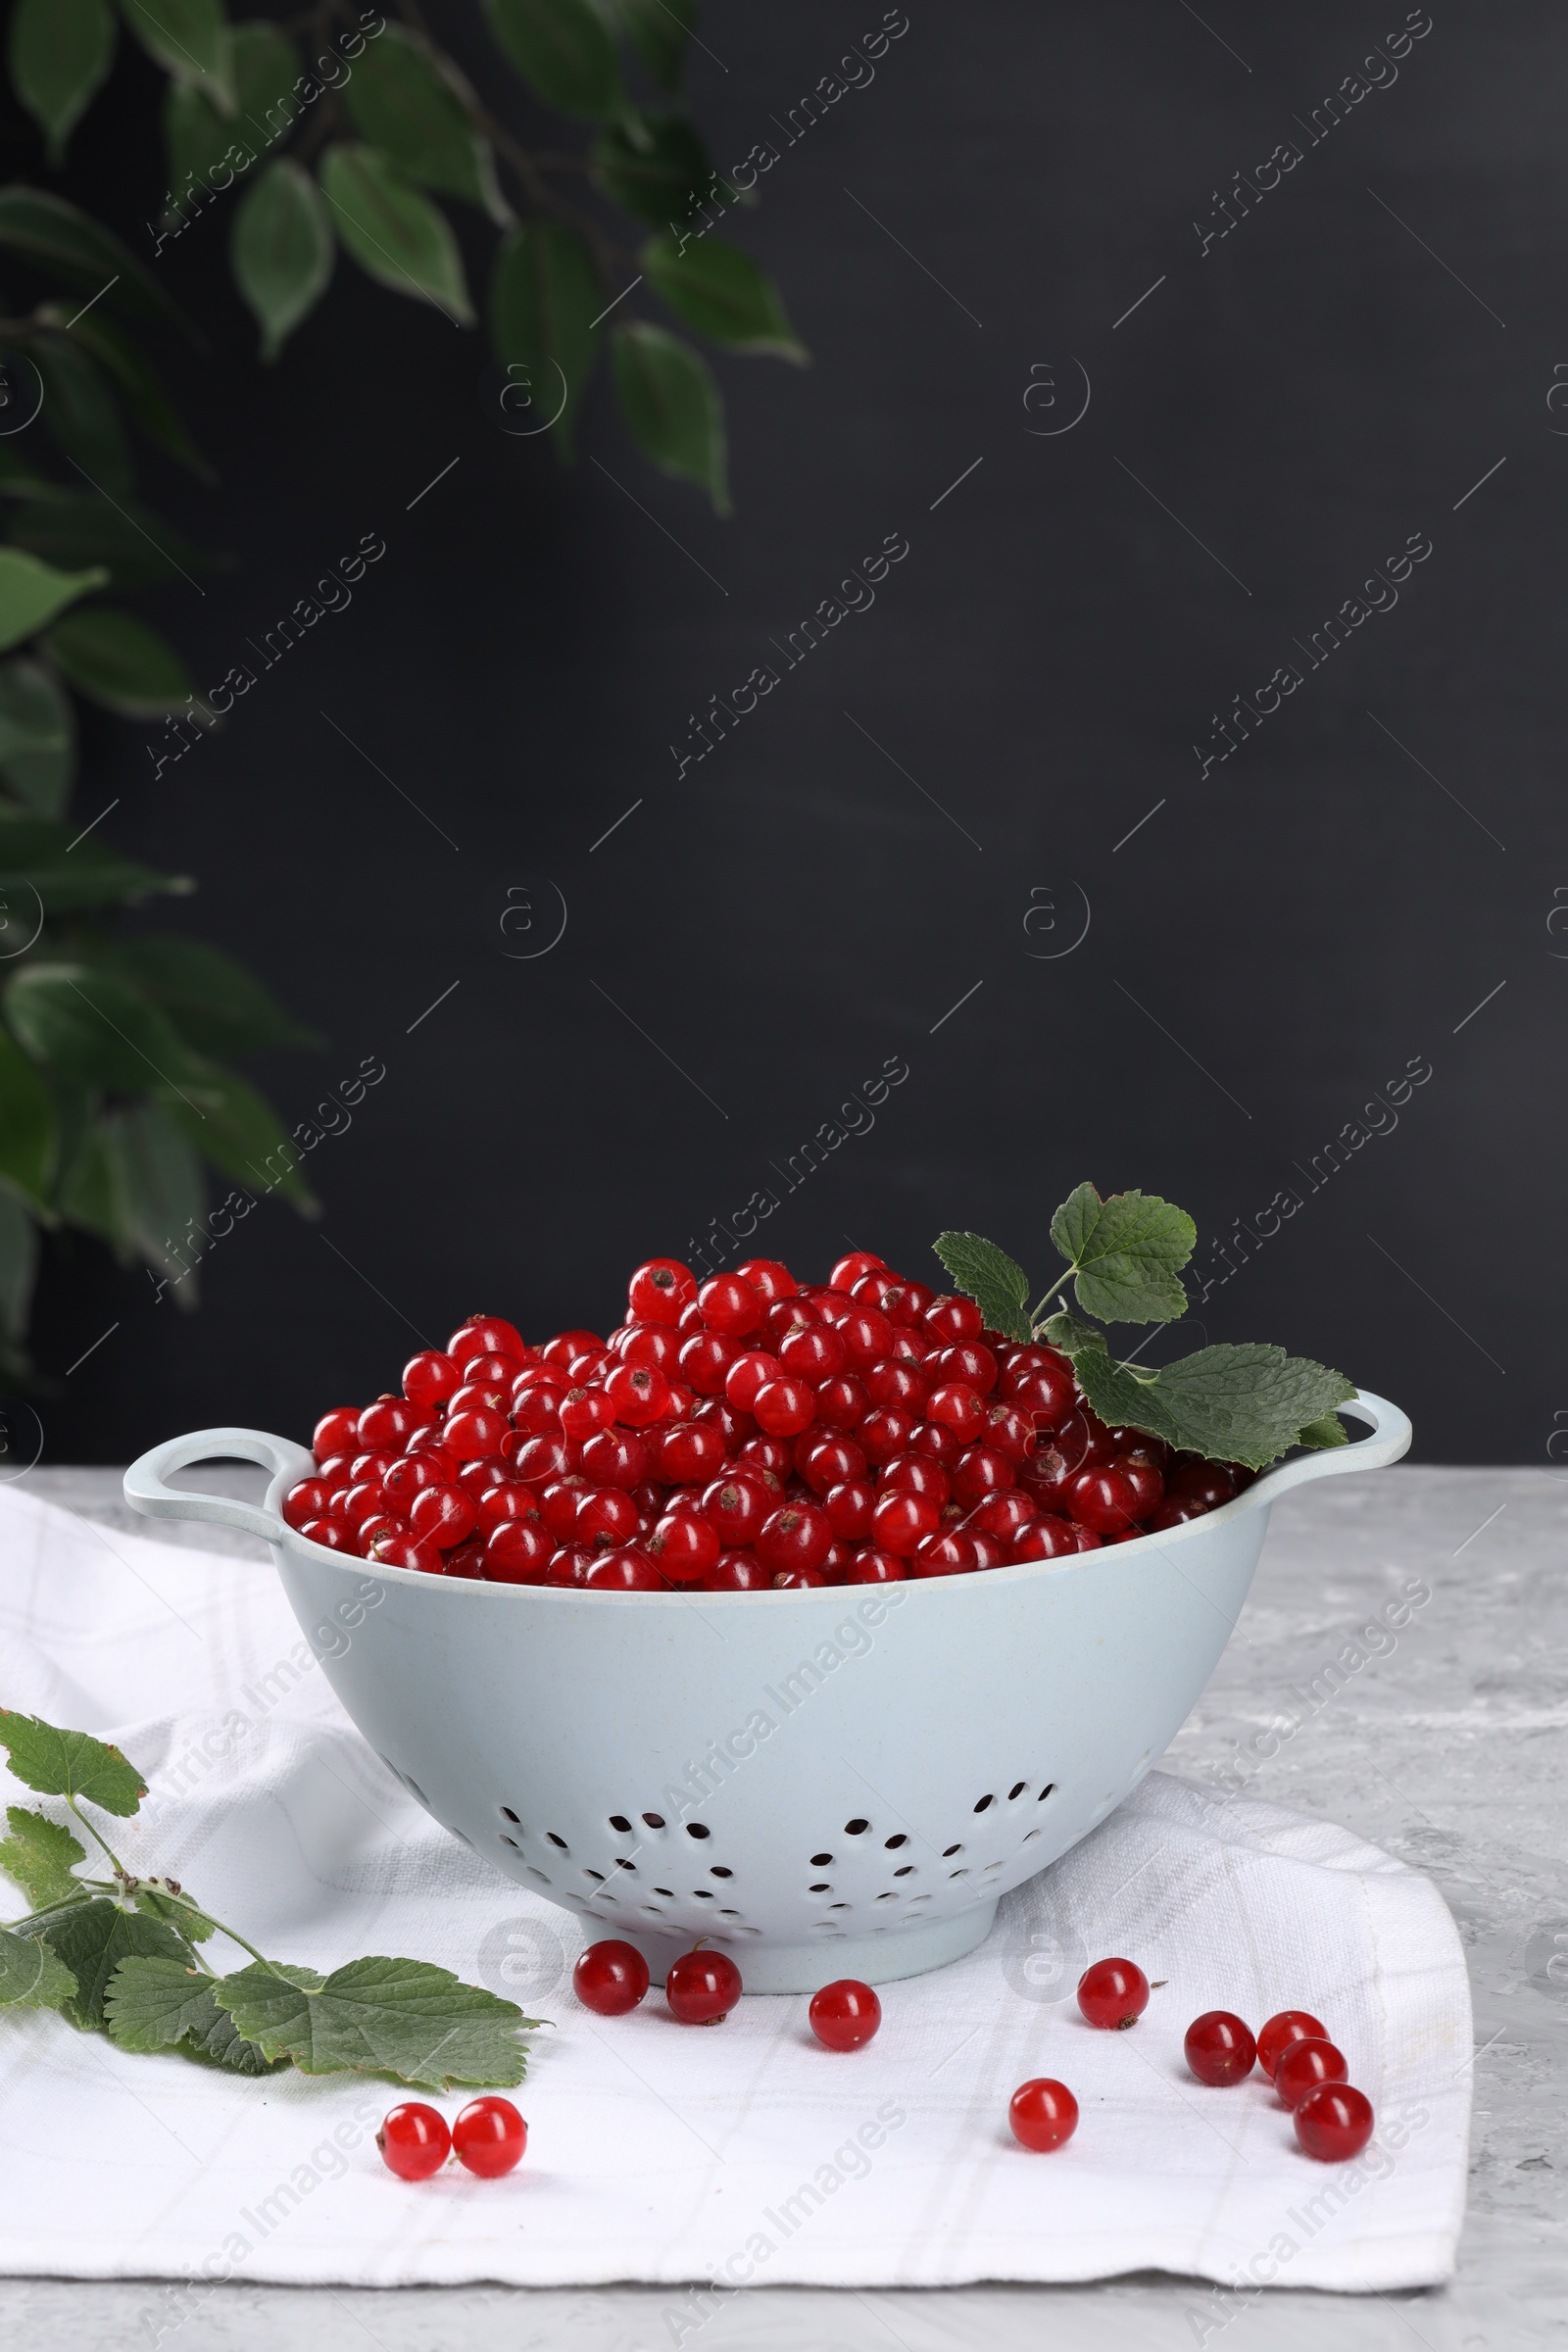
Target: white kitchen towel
(740, 2154)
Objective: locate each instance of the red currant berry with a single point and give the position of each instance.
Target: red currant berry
(1303, 2065)
(867, 1337)
(488, 1335)
(683, 1546)
(332, 1536)
(1045, 1394)
(799, 1536)
(1113, 1993)
(735, 1508)
(649, 1343)
(957, 1406)
(769, 1457)
(1219, 2048)
(1334, 2122)
(604, 1517)
(506, 1499)
(478, 1477)
(429, 1378)
(1103, 1499)
(799, 1580)
(712, 1412)
(305, 1501)
(747, 1373)
(902, 1520)
(1284, 2028)
(812, 1353)
(953, 1320)
(1005, 1516)
(919, 1474)
(624, 1571)
(783, 1407)
(443, 1516)
(689, 1452)
(842, 1402)
(705, 1360)
(489, 2138)
(610, 1978)
(401, 1551)
(952, 1553)
(730, 1305)
(1192, 1481)
(848, 1509)
(885, 1432)
(583, 1411)
(981, 1471)
(1148, 1486)
(659, 1290)
(1173, 1514)
(874, 1566)
(737, 1572)
(466, 1435)
(389, 1422)
(772, 1283)
(829, 1461)
(1009, 1431)
(568, 1349)
(894, 1382)
(518, 1552)
(615, 1457)
(639, 1393)
(849, 1270)
(1043, 2114)
(937, 1442)
(538, 1461)
(465, 1560)
(1045, 1538)
(337, 1432)
(969, 1362)
(413, 2141)
(845, 2015)
(703, 1986)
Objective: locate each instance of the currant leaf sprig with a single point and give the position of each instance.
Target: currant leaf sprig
(1124, 1255)
(120, 1955)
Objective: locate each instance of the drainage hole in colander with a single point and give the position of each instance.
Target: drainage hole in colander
(561, 1841)
(506, 1814)
(887, 1898)
(899, 1839)
(822, 1887)
(984, 1801)
(538, 1873)
(619, 1821)
(948, 1852)
(720, 1871)
(855, 1828)
(702, 1894)
(511, 1841)
(596, 1875)
(622, 1863)
(821, 1861)
(907, 1872)
(655, 1821)
(1049, 1790)
(838, 1906)
(960, 1873)
(724, 1914)
(414, 1789)
(665, 1890)
(1018, 1788)
(1028, 1834)
(697, 1829)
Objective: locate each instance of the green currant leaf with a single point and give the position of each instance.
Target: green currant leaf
(281, 251)
(70, 1764)
(39, 1855)
(92, 1938)
(996, 1282)
(160, 1900)
(1248, 1404)
(388, 2017)
(156, 2004)
(1325, 1433)
(32, 1975)
(671, 403)
(1125, 1253)
(402, 101)
(397, 236)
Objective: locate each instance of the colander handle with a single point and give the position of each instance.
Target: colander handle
(145, 1489)
(1389, 1439)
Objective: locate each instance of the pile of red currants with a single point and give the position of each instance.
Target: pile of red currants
(746, 1434)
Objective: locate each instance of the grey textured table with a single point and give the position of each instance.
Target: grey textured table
(1447, 1749)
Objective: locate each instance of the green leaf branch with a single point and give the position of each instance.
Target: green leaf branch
(1124, 1258)
(121, 1956)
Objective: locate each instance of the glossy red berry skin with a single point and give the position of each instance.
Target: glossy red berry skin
(683, 1546)
(950, 1554)
(1113, 1993)
(489, 2138)
(1281, 2028)
(848, 1509)
(1005, 1515)
(873, 1566)
(842, 1402)
(902, 1520)
(405, 1551)
(413, 2141)
(1046, 1395)
(610, 1977)
(487, 1334)
(659, 1290)
(1334, 2122)
(1105, 1499)
(1303, 2066)
(772, 1283)
(467, 1435)
(849, 1270)
(1043, 1539)
(981, 1471)
(730, 1305)
(1200, 1483)
(604, 1517)
(429, 1378)
(334, 1536)
(518, 1552)
(784, 1406)
(799, 1536)
(959, 1407)
(1220, 2048)
(689, 1452)
(735, 1506)
(829, 1460)
(624, 1571)
(703, 1986)
(953, 1320)
(443, 1516)
(737, 1572)
(969, 1362)
(1043, 2114)
(305, 1501)
(389, 1422)
(886, 1431)
(845, 2015)
(615, 1457)
(639, 1393)
(337, 1432)
(812, 1353)
(918, 1473)
(896, 1383)
(799, 1580)
(705, 1360)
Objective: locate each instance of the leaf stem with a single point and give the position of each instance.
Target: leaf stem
(233, 1935)
(1035, 1312)
(120, 1867)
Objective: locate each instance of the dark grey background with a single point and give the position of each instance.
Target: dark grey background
(1269, 949)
